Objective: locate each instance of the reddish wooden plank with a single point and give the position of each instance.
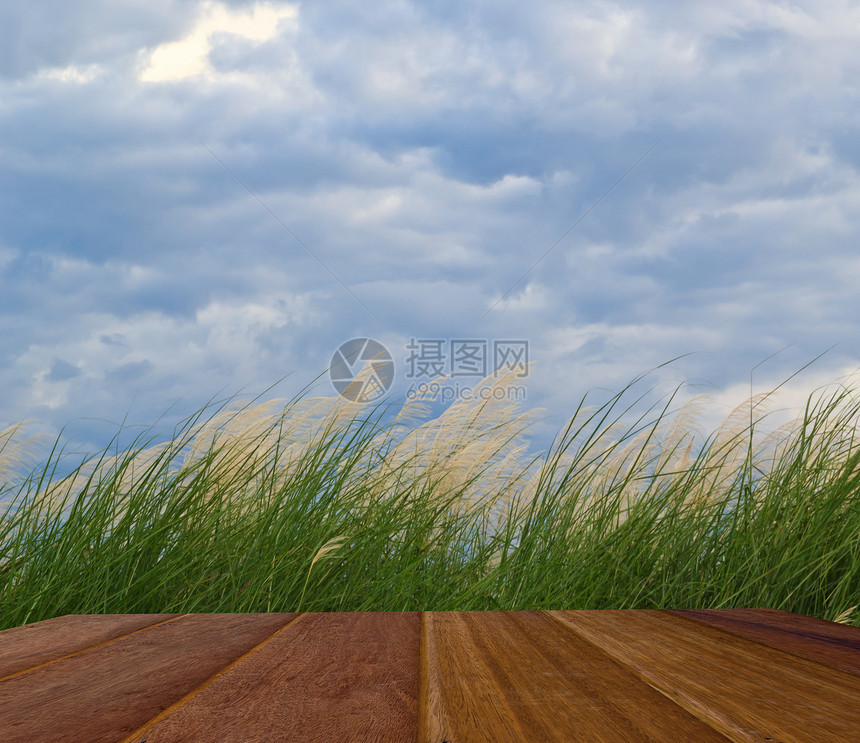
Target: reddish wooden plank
(103, 694)
(834, 645)
(748, 691)
(41, 642)
(326, 678)
(494, 677)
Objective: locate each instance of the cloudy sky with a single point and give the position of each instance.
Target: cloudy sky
(199, 199)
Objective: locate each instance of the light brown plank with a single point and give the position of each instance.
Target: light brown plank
(41, 642)
(100, 695)
(748, 691)
(326, 678)
(834, 645)
(499, 677)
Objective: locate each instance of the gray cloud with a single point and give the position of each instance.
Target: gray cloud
(62, 371)
(58, 34)
(130, 372)
(429, 156)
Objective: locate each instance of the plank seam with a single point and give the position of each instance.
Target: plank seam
(167, 711)
(423, 682)
(91, 647)
(690, 710)
(696, 621)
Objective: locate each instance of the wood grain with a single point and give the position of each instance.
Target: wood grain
(834, 645)
(325, 678)
(42, 642)
(103, 694)
(521, 676)
(746, 690)
(437, 677)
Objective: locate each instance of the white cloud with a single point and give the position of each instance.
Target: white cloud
(189, 57)
(72, 73)
(787, 399)
(533, 297)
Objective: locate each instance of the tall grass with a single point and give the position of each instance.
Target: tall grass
(316, 504)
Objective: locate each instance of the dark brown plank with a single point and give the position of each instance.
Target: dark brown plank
(499, 676)
(103, 694)
(834, 645)
(748, 691)
(326, 678)
(42, 642)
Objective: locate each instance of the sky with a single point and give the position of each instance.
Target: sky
(206, 199)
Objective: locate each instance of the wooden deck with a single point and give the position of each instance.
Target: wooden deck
(613, 676)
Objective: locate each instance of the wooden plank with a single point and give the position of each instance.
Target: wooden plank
(327, 677)
(100, 695)
(748, 691)
(834, 645)
(494, 677)
(42, 642)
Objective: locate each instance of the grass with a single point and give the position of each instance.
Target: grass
(317, 505)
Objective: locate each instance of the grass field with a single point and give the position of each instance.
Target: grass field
(316, 505)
